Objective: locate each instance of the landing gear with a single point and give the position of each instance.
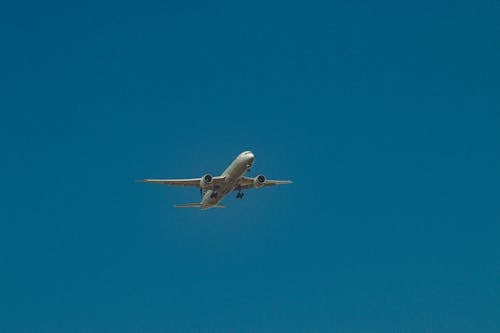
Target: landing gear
(240, 195)
(214, 195)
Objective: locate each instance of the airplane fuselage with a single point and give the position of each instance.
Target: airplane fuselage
(237, 169)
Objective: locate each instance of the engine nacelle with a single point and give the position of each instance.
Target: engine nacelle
(206, 181)
(259, 181)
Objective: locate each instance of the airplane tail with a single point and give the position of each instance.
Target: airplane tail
(198, 205)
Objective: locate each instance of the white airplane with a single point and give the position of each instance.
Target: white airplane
(214, 189)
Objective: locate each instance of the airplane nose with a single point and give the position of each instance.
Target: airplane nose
(250, 156)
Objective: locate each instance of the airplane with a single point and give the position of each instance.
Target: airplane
(214, 189)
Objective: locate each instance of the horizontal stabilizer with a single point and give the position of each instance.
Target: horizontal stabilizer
(198, 205)
(189, 205)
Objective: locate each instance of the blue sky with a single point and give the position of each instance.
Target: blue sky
(385, 115)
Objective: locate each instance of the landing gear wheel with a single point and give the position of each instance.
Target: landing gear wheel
(214, 195)
(240, 195)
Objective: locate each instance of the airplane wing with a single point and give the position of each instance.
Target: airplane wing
(246, 183)
(193, 182)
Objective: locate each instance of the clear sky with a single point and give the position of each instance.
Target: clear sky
(386, 114)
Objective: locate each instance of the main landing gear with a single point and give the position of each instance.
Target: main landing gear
(212, 195)
(239, 195)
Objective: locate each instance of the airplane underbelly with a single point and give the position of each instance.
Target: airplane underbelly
(208, 200)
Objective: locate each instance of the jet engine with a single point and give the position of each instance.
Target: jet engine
(259, 181)
(206, 181)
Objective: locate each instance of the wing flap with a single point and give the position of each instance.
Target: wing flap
(277, 182)
(193, 182)
(247, 183)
